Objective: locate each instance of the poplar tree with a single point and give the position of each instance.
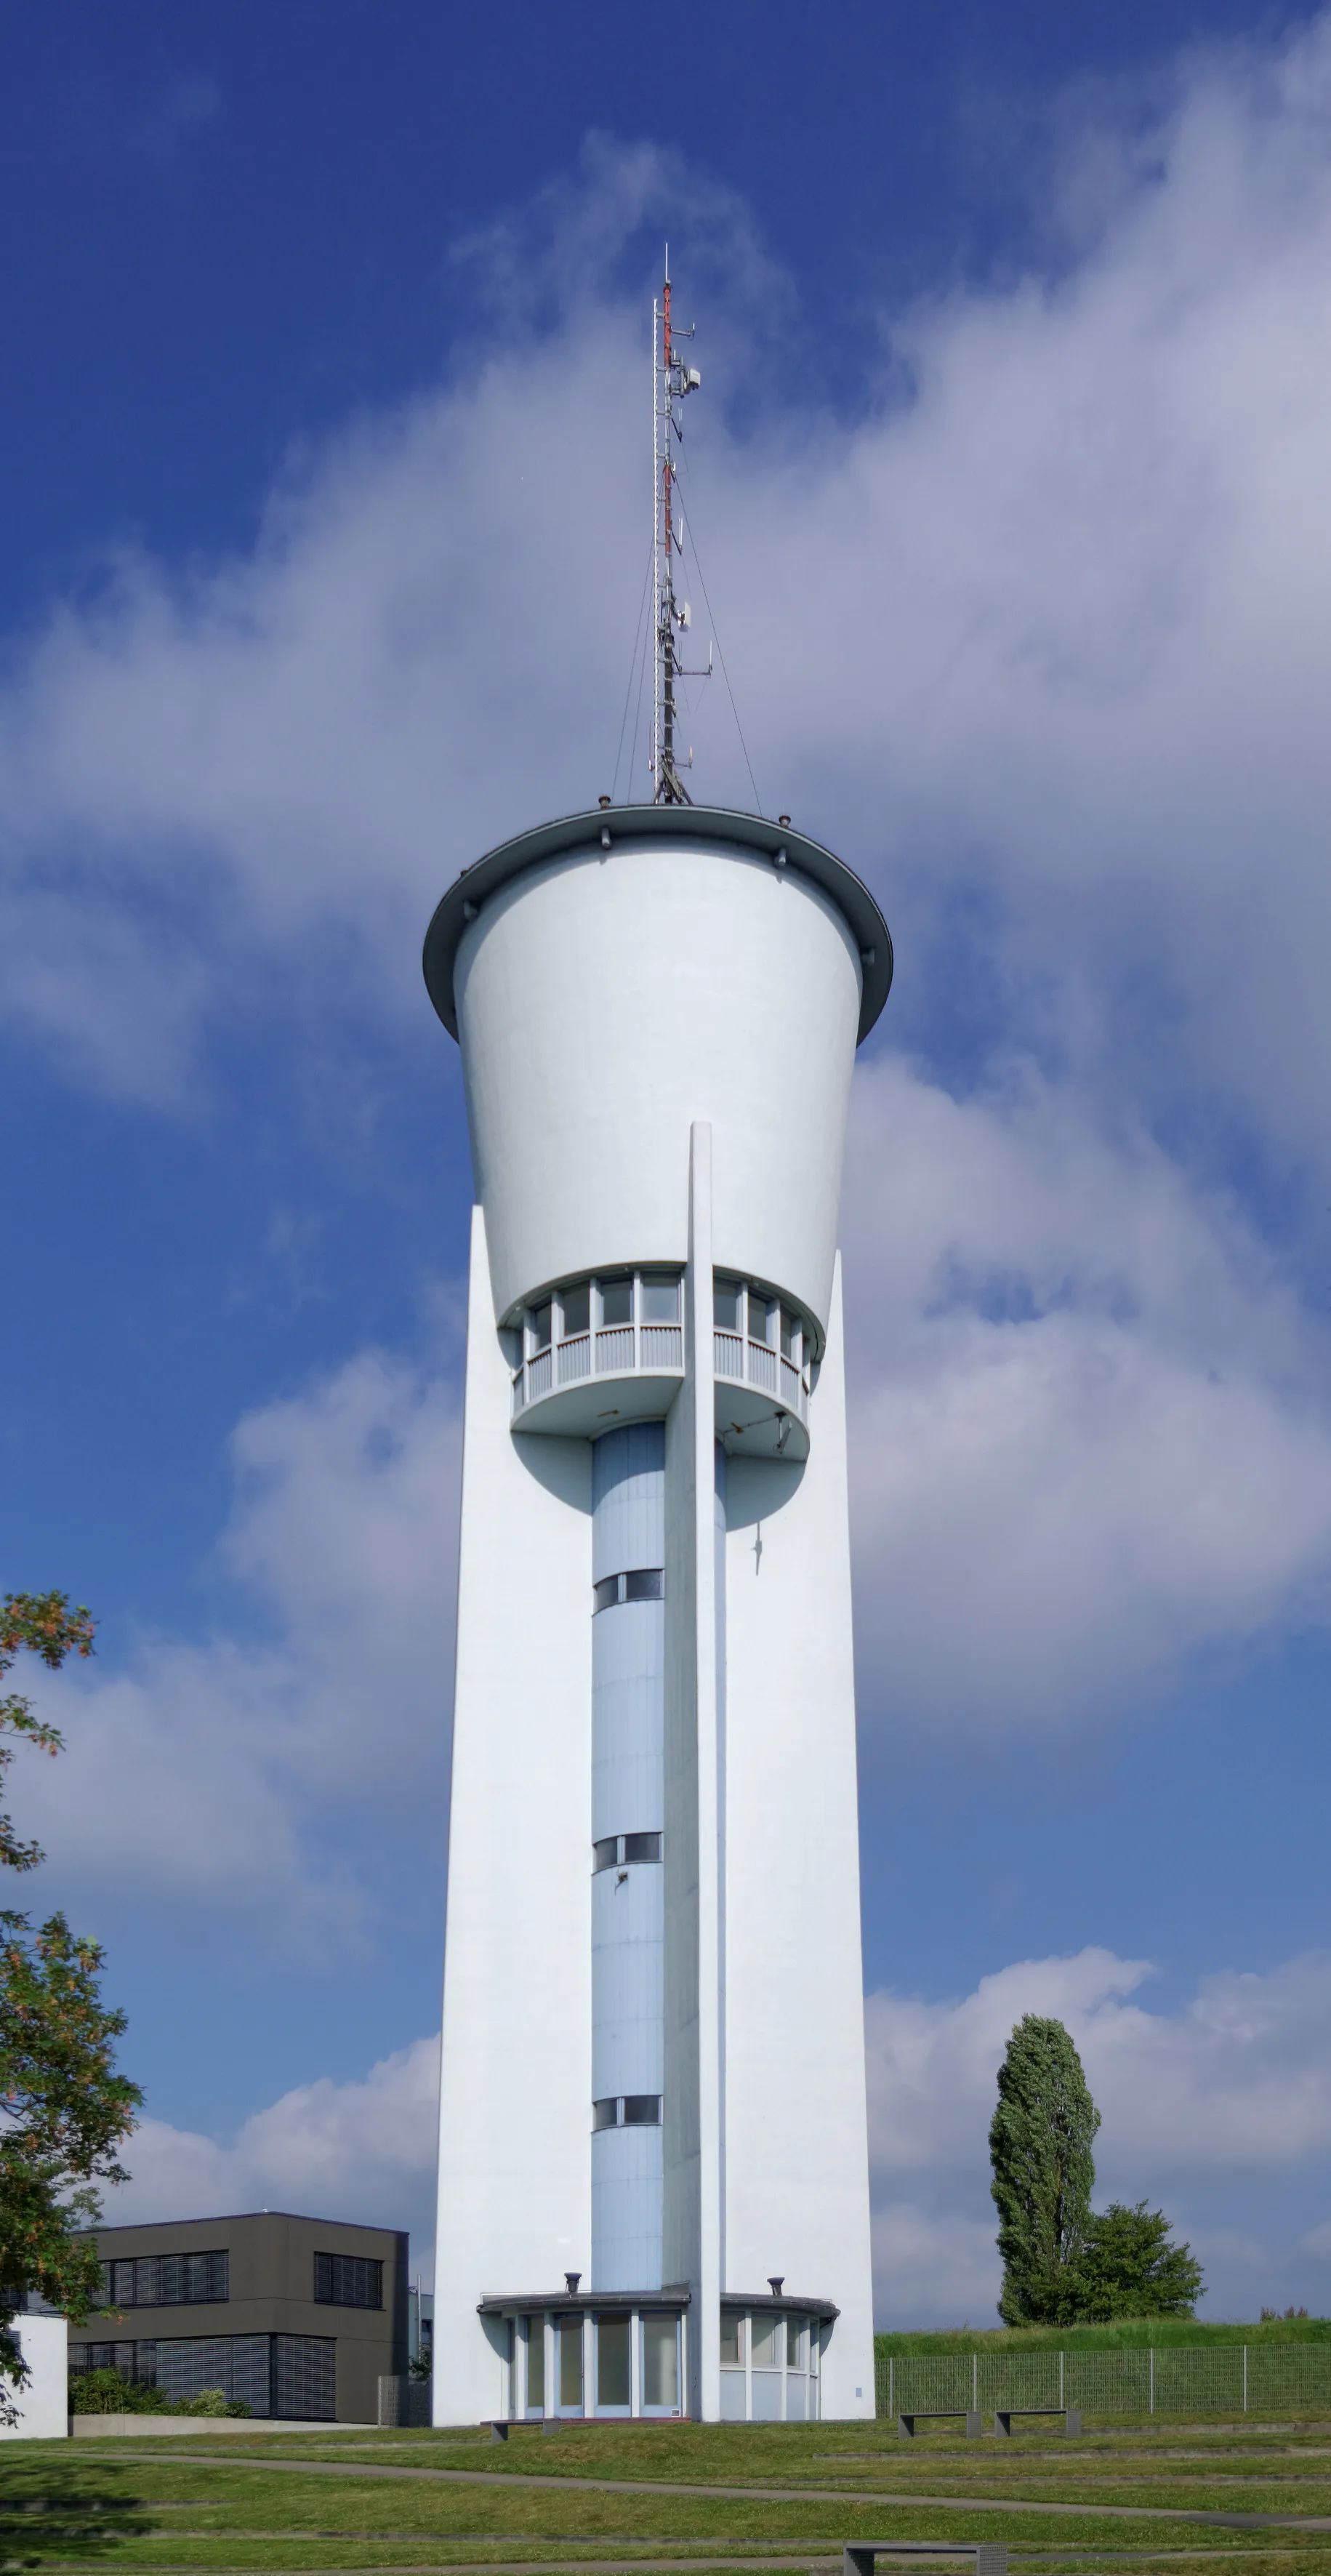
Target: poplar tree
(64, 2108)
(1043, 2172)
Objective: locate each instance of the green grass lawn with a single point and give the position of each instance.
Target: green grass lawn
(616, 2493)
(1130, 2336)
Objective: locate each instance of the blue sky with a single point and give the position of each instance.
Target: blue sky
(325, 447)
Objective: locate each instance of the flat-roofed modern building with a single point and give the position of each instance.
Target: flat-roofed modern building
(653, 2169)
(299, 2317)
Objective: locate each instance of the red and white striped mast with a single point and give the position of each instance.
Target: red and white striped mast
(671, 381)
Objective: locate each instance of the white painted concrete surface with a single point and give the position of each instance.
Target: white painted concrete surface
(43, 2402)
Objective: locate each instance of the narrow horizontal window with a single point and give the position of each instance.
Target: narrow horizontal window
(605, 1853)
(642, 2110)
(642, 1847)
(644, 1583)
(605, 2114)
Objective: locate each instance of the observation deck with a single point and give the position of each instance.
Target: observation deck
(610, 1349)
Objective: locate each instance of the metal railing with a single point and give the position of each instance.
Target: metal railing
(757, 1364)
(613, 1351)
(1179, 2380)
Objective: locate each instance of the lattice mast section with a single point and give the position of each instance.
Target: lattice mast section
(672, 380)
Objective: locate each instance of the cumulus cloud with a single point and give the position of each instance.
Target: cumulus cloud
(1091, 1427)
(362, 2151)
(343, 1533)
(1233, 2088)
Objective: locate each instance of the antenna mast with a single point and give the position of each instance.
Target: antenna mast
(671, 381)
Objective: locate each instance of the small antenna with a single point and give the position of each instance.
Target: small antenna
(672, 380)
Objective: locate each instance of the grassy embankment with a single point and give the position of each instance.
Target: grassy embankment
(1133, 2337)
(285, 2503)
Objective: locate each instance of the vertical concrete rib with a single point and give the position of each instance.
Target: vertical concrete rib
(692, 2136)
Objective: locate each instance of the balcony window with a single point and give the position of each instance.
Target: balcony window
(760, 1311)
(727, 1296)
(616, 1302)
(575, 1311)
(660, 1297)
(538, 1324)
(790, 1336)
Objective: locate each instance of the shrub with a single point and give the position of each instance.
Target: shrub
(104, 2392)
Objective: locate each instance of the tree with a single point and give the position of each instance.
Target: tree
(64, 2108)
(1043, 2172)
(1130, 2269)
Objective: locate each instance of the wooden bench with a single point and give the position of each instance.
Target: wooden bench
(990, 2556)
(906, 2423)
(1003, 2417)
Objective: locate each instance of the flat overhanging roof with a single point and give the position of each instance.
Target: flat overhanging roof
(664, 822)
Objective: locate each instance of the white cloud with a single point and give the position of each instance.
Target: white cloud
(344, 1529)
(362, 2151)
(1091, 1425)
(1233, 2088)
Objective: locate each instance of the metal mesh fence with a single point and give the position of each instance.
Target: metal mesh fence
(1179, 2380)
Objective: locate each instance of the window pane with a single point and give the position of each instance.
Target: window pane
(642, 2110)
(794, 2343)
(605, 1593)
(147, 2281)
(540, 1327)
(765, 2348)
(726, 1295)
(660, 1299)
(660, 2361)
(535, 2361)
(577, 1305)
(570, 2361)
(605, 2114)
(757, 1317)
(616, 1301)
(612, 2361)
(645, 1583)
(606, 1852)
(790, 1332)
(732, 2335)
(122, 2285)
(642, 1846)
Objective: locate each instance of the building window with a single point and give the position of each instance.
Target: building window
(660, 1297)
(660, 2365)
(569, 2332)
(790, 1337)
(539, 1326)
(794, 2343)
(760, 1310)
(575, 1308)
(616, 1851)
(616, 1301)
(612, 2362)
(348, 2281)
(534, 2339)
(726, 1297)
(165, 2280)
(645, 1583)
(764, 2330)
(732, 2339)
(627, 2111)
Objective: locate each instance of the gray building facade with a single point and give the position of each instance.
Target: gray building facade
(299, 2317)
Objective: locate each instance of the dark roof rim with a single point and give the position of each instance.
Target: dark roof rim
(858, 907)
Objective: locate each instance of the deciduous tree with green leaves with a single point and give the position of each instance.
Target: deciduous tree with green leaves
(1130, 2269)
(66, 2109)
(1043, 2172)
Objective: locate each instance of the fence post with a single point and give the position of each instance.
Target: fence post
(975, 2383)
(1152, 2405)
(1060, 2379)
(1245, 2379)
(890, 2367)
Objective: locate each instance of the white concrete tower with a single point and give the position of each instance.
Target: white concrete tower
(653, 2172)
